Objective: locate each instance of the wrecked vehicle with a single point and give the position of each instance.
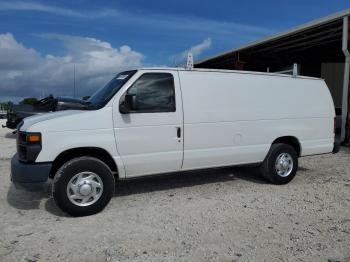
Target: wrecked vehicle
(16, 112)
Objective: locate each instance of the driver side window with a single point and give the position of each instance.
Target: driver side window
(153, 92)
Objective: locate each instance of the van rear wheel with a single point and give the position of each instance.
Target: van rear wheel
(281, 164)
(83, 186)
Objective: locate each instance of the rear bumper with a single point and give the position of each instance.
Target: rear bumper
(336, 147)
(29, 175)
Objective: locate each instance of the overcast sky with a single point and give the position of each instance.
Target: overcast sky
(40, 41)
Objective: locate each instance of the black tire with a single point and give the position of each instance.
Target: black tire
(76, 166)
(268, 168)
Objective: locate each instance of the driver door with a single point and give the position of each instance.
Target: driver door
(149, 133)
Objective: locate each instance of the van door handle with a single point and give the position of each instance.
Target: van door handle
(178, 131)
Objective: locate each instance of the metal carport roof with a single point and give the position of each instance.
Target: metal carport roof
(334, 22)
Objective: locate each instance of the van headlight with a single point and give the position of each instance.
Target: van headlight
(28, 146)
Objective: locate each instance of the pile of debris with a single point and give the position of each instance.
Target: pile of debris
(16, 112)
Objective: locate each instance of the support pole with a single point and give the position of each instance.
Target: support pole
(344, 116)
(74, 82)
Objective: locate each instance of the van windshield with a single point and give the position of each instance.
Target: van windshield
(104, 94)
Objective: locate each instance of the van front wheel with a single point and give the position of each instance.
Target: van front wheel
(280, 164)
(83, 186)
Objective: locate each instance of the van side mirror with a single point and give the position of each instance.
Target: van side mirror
(129, 104)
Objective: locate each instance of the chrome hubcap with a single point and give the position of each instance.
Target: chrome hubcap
(84, 188)
(284, 164)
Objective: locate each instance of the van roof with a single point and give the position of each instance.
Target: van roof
(227, 71)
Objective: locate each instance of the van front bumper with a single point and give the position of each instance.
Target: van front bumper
(29, 175)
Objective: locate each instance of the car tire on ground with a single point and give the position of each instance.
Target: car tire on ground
(281, 164)
(83, 186)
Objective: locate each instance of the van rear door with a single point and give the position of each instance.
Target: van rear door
(150, 136)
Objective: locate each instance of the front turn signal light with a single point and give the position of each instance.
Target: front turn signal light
(33, 138)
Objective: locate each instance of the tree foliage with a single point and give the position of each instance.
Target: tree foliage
(29, 101)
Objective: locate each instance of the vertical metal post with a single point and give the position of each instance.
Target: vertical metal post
(346, 78)
(74, 83)
(295, 70)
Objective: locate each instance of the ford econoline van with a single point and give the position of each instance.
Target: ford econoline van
(161, 120)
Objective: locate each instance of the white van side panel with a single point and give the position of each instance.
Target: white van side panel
(232, 118)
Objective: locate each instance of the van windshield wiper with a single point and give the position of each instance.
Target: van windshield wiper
(87, 105)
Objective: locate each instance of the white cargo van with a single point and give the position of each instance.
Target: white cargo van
(161, 120)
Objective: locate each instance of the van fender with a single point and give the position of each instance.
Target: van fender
(115, 163)
(289, 140)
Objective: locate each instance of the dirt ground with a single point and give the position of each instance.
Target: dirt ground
(225, 215)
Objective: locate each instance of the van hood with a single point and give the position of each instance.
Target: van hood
(32, 120)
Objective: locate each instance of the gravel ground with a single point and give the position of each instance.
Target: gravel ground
(225, 215)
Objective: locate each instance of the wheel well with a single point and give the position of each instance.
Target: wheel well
(289, 140)
(96, 152)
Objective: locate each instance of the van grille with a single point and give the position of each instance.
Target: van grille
(21, 146)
